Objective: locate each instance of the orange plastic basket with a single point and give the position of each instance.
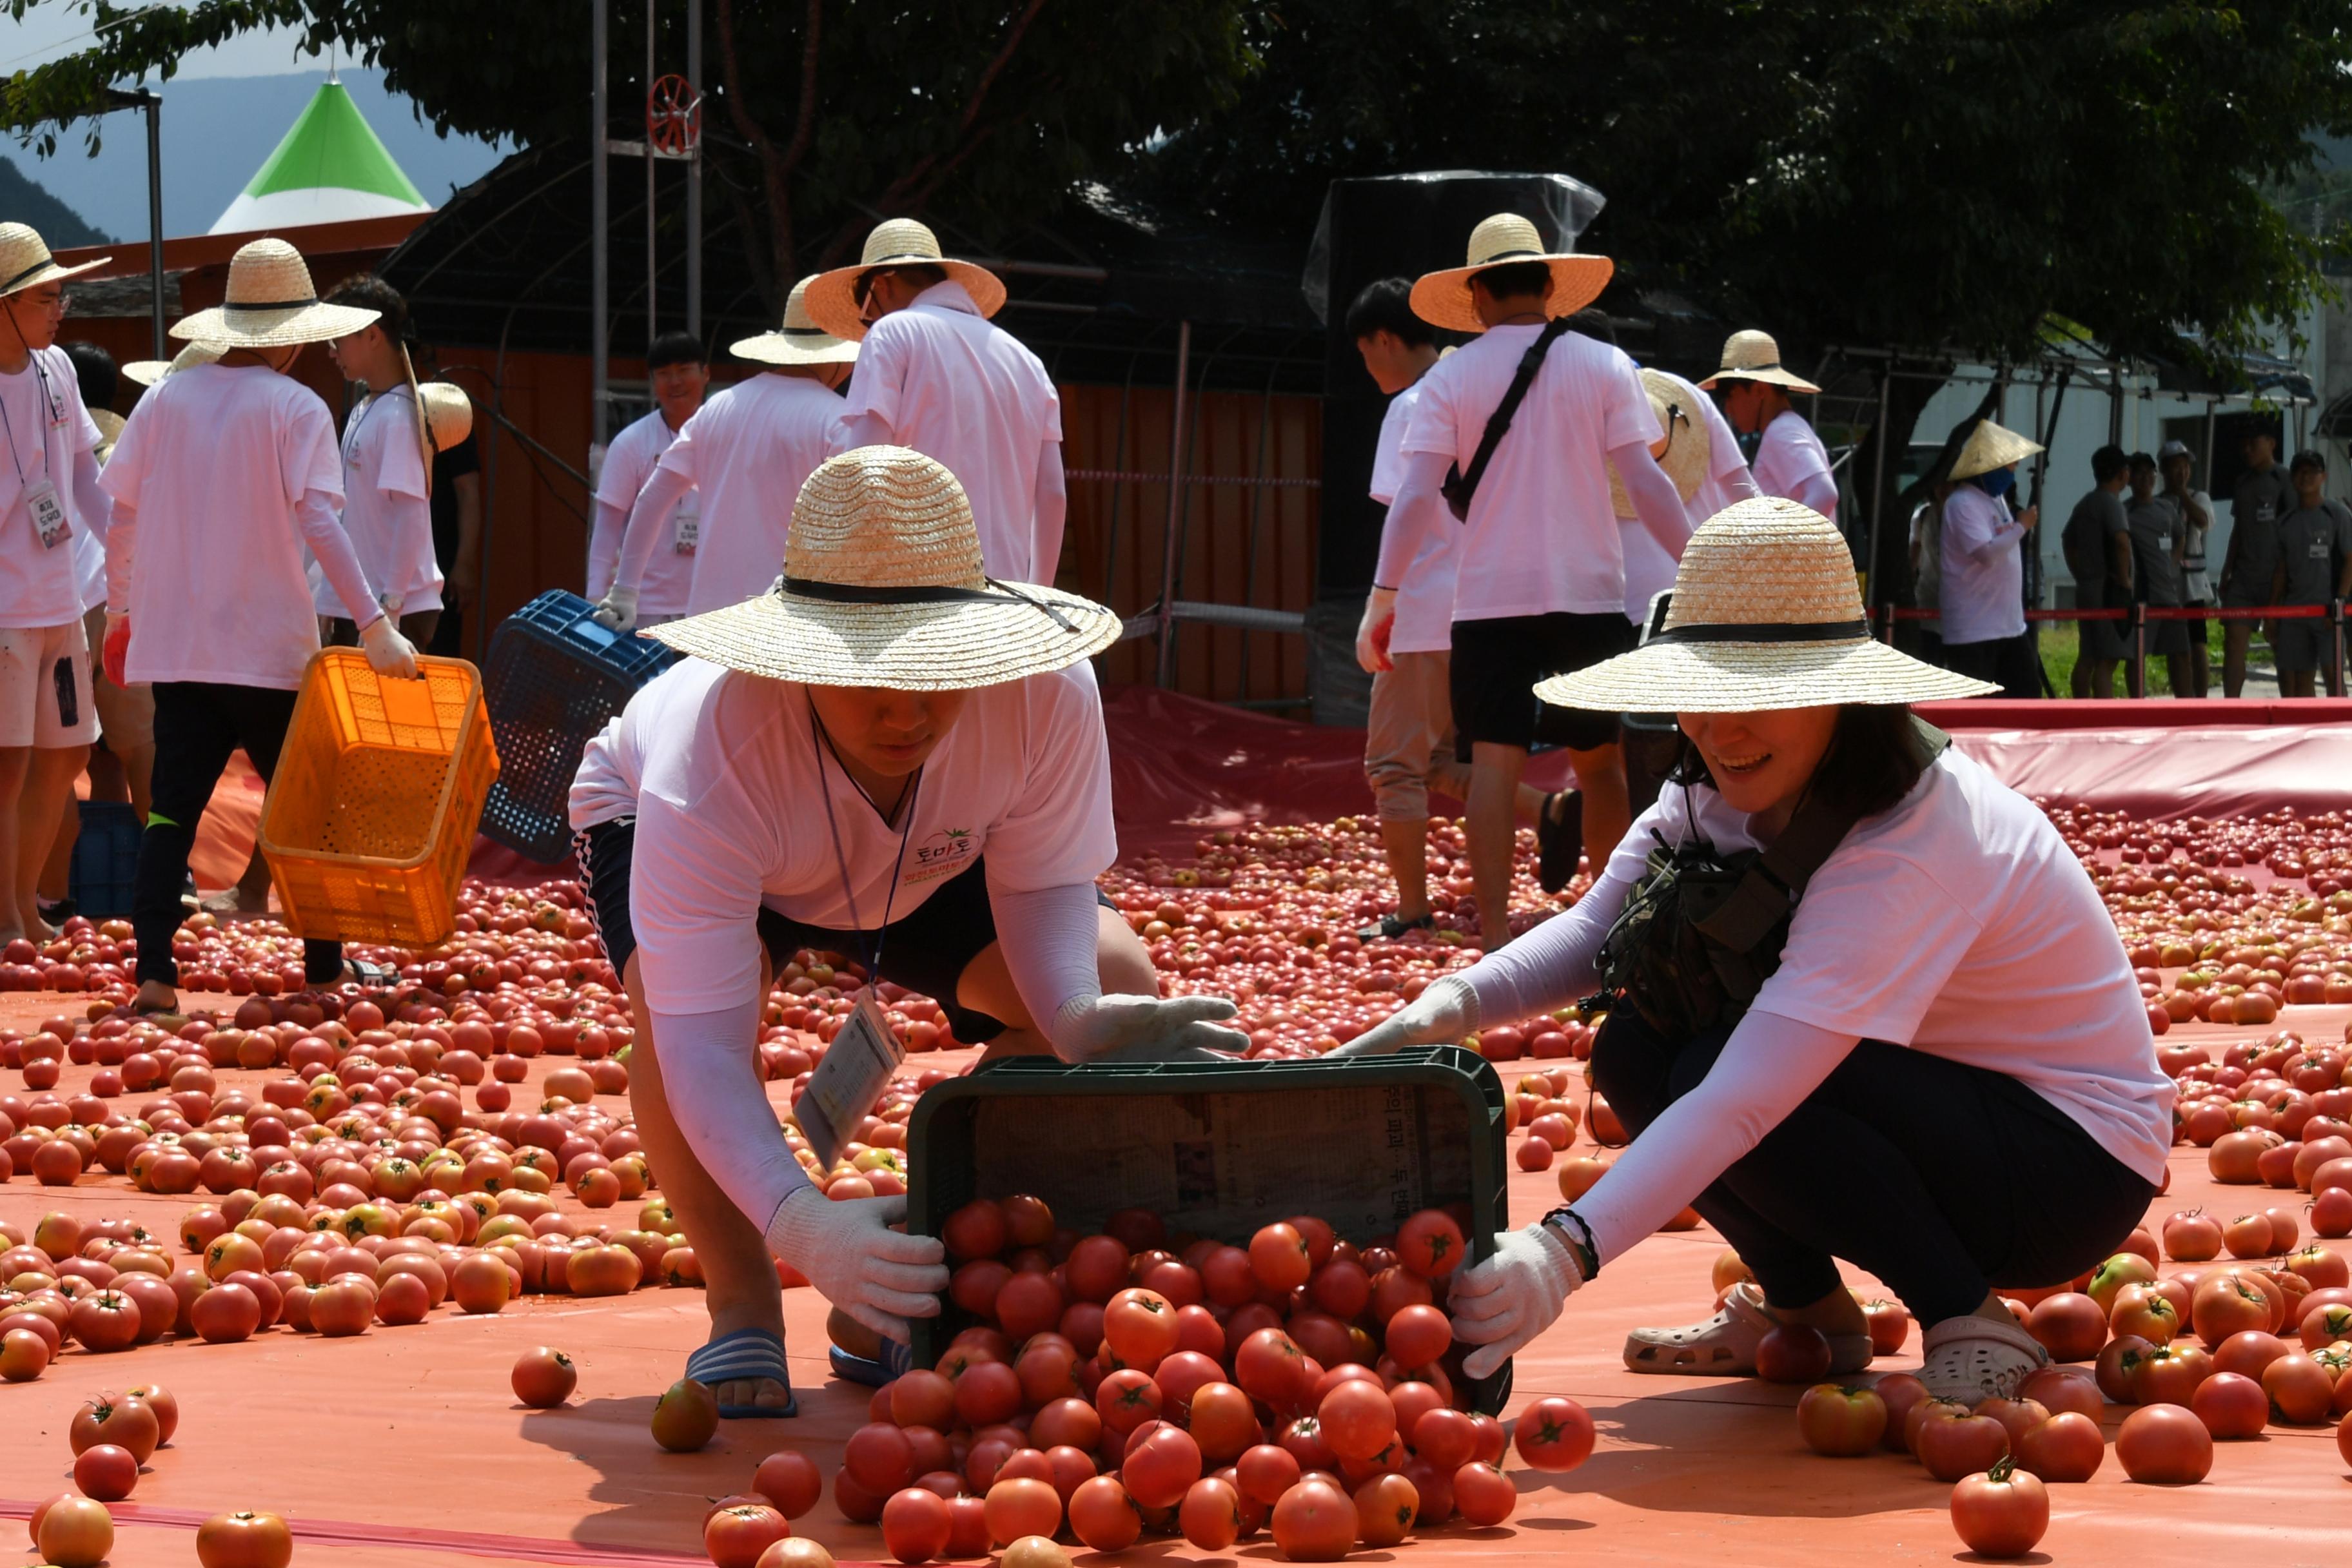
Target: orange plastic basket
(371, 816)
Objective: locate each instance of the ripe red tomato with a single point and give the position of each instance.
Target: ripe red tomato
(1430, 1243)
(2164, 1445)
(2017, 1416)
(2001, 1512)
(1127, 1399)
(686, 1417)
(1417, 1335)
(244, 1540)
(105, 1472)
(75, 1532)
(1953, 1444)
(1386, 1507)
(2058, 1389)
(914, 1525)
(2231, 1405)
(2299, 1389)
(1553, 1434)
(1162, 1468)
(1793, 1352)
(1140, 1328)
(1890, 1325)
(1314, 1521)
(1211, 1514)
(1068, 1421)
(987, 1391)
(2070, 1325)
(2169, 1375)
(735, 1537)
(976, 1230)
(1227, 1277)
(1841, 1422)
(2069, 1446)
(1483, 1494)
(1223, 1422)
(880, 1457)
(1279, 1257)
(1022, 1507)
(1266, 1472)
(1028, 1304)
(1103, 1516)
(1358, 1419)
(1095, 1270)
(544, 1378)
(791, 1480)
(1271, 1368)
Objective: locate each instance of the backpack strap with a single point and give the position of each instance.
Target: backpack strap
(1460, 487)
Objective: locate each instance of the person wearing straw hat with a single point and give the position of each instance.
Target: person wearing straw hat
(1789, 459)
(388, 446)
(1539, 575)
(677, 372)
(889, 755)
(49, 501)
(146, 372)
(1863, 1002)
(223, 474)
(1983, 566)
(937, 376)
(748, 446)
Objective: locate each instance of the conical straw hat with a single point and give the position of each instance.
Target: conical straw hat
(832, 297)
(270, 304)
(1765, 615)
(25, 259)
(1751, 355)
(1442, 299)
(799, 341)
(1990, 447)
(882, 586)
(1683, 451)
(148, 371)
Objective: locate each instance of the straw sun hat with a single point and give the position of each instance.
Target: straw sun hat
(799, 341)
(270, 304)
(25, 260)
(883, 587)
(1442, 299)
(1765, 615)
(1989, 447)
(832, 297)
(1686, 445)
(1751, 355)
(148, 371)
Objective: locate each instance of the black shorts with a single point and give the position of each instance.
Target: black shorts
(1496, 664)
(927, 951)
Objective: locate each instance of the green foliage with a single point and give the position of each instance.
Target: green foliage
(1915, 172)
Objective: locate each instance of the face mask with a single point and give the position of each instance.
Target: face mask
(1997, 484)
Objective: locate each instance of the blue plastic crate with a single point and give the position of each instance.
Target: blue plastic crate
(555, 678)
(105, 859)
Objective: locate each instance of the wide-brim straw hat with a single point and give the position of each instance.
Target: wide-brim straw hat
(270, 304)
(832, 297)
(1685, 448)
(883, 587)
(1751, 355)
(1990, 447)
(148, 371)
(1765, 615)
(25, 259)
(1442, 299)
(799, 341)
(449, 413)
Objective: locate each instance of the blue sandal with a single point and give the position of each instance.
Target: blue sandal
(895, 1360)
(747, 1353)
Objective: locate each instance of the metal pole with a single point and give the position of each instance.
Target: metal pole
(652, 274)
(600, 218)
(1878, 488)
(693, 176)
(1175, 506)
(155, 108)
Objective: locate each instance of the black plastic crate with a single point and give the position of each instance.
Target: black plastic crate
(555, 678)
(1218, 1149)
(105, 859)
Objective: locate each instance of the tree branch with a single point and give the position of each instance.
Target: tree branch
(774, 173)
(965, 141)
(804, 122)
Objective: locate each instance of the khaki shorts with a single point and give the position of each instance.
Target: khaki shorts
(45, 700)
(1408, 738)
(126, 714)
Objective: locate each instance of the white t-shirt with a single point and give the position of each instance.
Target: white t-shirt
(732, 797)
(1791, 453)
(1542, 534)
(1983, 590)
(215, 462)
(969, 396)
(386, 510)
(45, 428)
(1424, 601)
(748, 451)
(629, 461)
(1958, 923)
(1723, 458)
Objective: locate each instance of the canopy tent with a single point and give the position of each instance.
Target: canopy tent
(330, 168)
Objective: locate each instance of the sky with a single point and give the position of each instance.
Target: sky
(223, 113)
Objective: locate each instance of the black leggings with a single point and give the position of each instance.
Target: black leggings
(197, 725)
(1942, 1179)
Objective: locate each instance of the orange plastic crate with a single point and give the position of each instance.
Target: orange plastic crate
(371, 816)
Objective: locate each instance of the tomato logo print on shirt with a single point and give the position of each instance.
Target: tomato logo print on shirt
(941, 854)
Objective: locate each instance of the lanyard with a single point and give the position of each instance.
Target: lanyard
(841, 861)
(57, 411)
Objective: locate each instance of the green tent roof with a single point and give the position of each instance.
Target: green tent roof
(329, 150)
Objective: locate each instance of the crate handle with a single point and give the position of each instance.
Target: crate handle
(593, 630)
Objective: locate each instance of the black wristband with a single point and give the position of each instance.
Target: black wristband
(1570, 1227)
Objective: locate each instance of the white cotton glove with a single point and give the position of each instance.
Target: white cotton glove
(1145, 1029)
(1443, 1014)
(388, 653)
(618, 612)
(1499, 1305)
(878, 1276)
(1372, 631)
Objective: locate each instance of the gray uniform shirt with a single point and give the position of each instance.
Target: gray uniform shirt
(2312, 543)
(2155, 532)
(2260, 499)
